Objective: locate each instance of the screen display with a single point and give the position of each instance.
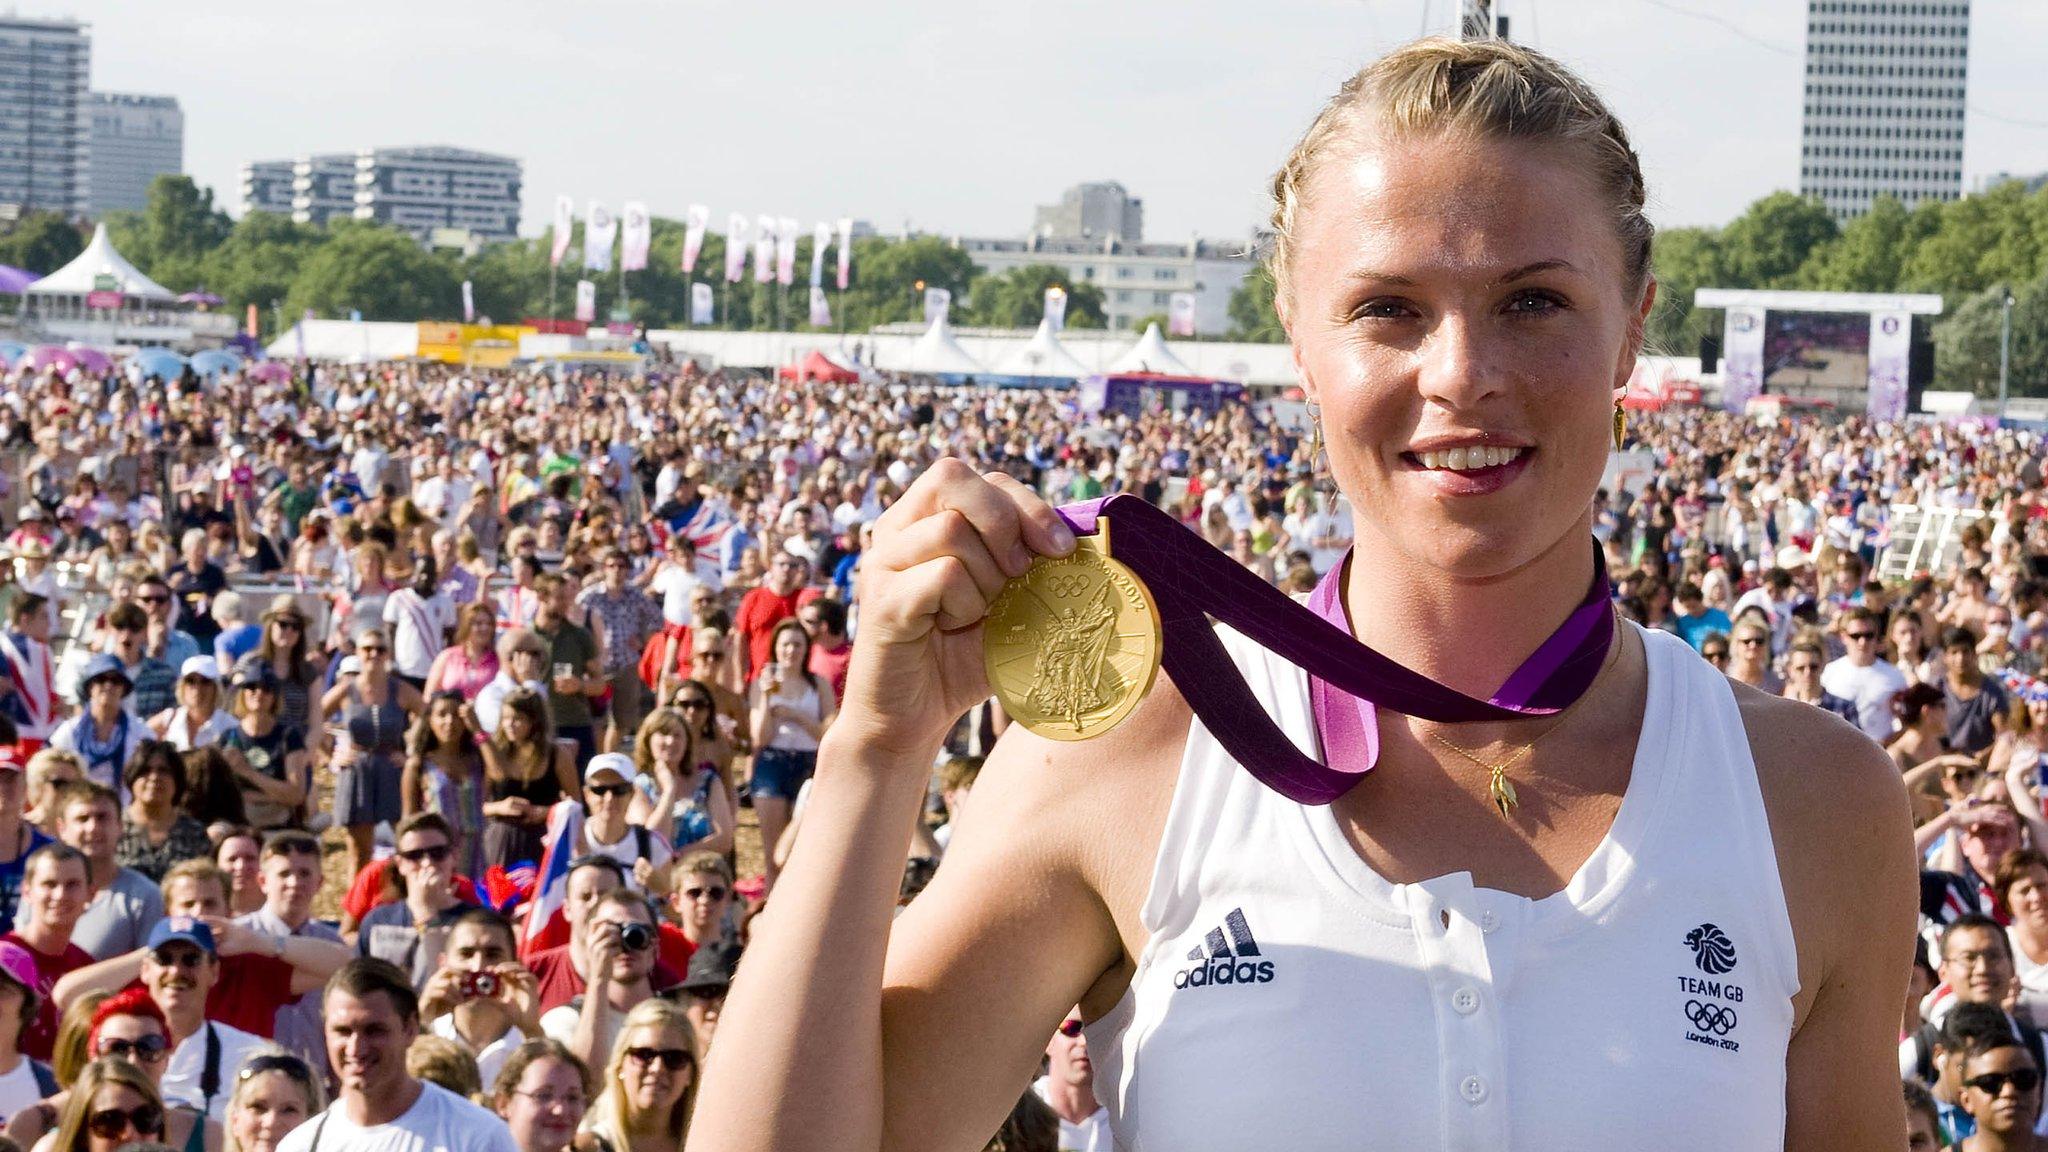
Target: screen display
(1804, 351)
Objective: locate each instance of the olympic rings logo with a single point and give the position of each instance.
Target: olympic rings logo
(1067, 586)
(1712, 1018)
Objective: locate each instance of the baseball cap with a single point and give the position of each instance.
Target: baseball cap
(184, 928)
(17, 965)
(617, 763)
(350, 665)
(11, 759)
(199, 666)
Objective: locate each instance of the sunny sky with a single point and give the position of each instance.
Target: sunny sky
(957, 116)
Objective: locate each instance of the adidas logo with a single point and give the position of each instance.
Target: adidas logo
(1226, 961)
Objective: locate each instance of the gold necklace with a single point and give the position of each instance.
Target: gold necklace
(1499, 788)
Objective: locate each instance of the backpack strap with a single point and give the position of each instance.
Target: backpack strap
(642, 842)
(209, 1077)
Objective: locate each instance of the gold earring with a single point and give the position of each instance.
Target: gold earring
(1315, 438)
(1620, 425)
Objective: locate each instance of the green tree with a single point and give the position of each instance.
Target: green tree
(1766, 245)
(1252, 315)
(510, 281)
(40, 242)
(883, 288)
(1016, 298)
(1866, 256)
(173, 234)
(379, 271)
(1992, 238)
(1685, 260)
(258, 261)
(1966, 341)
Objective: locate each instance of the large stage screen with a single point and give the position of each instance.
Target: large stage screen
(1806, 350)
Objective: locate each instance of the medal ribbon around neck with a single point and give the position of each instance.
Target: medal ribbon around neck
(1191, 582)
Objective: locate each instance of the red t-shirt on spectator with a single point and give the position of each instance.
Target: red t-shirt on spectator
(557, 981)
(367, 891)
(831, 665)
(249, 992)
(40, 1036)
(760, 611)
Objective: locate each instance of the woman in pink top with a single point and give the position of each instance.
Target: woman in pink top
(471, 663)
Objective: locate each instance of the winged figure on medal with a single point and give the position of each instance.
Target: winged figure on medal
(1074, 675)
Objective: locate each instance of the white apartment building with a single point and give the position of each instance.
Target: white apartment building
(135, 139)
(1885, 90)
(45, 135)
(430, 192)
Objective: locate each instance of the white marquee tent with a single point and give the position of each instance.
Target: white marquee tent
(99, 259)
(1044, 357)
(1152, 355)
(937, 353)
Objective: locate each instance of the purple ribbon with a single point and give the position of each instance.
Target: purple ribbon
(1192, 582)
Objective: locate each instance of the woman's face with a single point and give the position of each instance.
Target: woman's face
(649, 1084)
(789, 647)
(271, 1104)
(241, 858)
(118, 1107)
(1452, 294)
(155, 786)
(545, 1107)
(1906, 634)
(667, 745)
(2028, 897)
(518, 725)
(445, 720)
(137, 1039)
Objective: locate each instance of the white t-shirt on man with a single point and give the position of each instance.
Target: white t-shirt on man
(439, 1121)
(1870, 689)
(18, 1091)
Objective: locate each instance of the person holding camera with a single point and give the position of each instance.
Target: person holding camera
(619, 953)
(480, 996)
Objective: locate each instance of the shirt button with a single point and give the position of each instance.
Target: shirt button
(1488, 921)
(1466, 1001)
(1473, 1089)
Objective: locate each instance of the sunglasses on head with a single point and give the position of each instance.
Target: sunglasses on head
(1070, 1028)
(436, 853)
(146, 1050)
(673, 1059)
(283, 1062)
(1992, 1083)
(113, 1123)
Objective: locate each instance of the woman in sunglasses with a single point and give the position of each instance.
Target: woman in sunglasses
(274, 1093)
(2001, 1091)
(283, 650)
(268, 753)
(375, 708)
(128, 1029)
(650, 1084)
(114, 1104)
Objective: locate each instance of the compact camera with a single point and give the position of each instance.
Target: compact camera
(479, 984)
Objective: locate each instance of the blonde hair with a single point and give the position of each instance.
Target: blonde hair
(442, 1061)
(105, 1072)
(1490, 89)
(315, 1092)
(610, 1109)
(68, 1057)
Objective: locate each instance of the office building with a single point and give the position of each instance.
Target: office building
(1137, 280)
(45, 136)
(266, 186)
(1886, 82)
(429, 190)
(1097, 211)
(135, 139)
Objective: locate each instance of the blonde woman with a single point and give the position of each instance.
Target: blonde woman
(650, 1084)
(274, 1093)
(113, 1104)
(1461, 260)
(682, 795)
(48, 771)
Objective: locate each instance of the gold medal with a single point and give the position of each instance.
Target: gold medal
(1072, 645)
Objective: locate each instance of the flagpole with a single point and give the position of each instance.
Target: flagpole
(553, 313)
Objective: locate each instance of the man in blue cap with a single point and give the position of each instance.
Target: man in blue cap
(179, 967)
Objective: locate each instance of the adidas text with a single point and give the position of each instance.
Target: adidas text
(1223, 970)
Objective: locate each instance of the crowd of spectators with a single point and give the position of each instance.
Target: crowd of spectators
(544, 659)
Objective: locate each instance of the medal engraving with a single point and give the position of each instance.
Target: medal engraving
(1072, 645)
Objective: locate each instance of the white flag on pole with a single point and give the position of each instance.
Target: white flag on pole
(600, 228)
(937, 303)
(468, 304)
(693, 235)
(1180, 314)
(845, 250)
(764, 249)
(821, 312)
(821, 238)
(735, 247)
(638, 233)
(785, 251)
(586, 301)
(1056, 307)
(565, 220)
(700, 303)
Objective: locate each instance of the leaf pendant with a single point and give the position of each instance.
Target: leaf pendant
(1502, 790)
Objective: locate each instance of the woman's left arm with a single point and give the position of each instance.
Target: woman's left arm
(1841, 827)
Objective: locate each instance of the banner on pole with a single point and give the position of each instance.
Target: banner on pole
(468, 304)
(1742, 357)
(764, 249)
(937, 303)
(250, 326)
(785, 251)
(586, 301)
(845, 250)
(1180, 314)
(1891, 350)
(821, 239)
(600, 228)
(635, 237)
(1056, 307)
(565, 221)
(821, 312)
(693, 235)
(700, 303)
(735, 247)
